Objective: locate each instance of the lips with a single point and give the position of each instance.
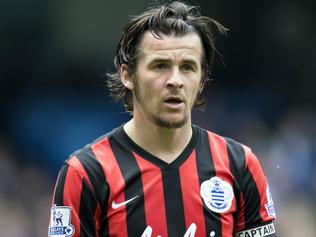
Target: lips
(174, 103)
(173, 100)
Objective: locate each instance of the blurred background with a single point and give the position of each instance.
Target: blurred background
(53, 100)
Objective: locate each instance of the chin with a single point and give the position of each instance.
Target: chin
(170, 123)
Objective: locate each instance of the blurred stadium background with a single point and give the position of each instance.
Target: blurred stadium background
(53, 58)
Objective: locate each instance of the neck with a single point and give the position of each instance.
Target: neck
(166, 144)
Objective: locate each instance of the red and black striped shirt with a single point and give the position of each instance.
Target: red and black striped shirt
(113, 187)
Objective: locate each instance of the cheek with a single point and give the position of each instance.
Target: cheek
(147, 93)
(193, 94)
(194, 89)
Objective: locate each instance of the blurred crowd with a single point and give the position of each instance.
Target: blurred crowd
(25, 194)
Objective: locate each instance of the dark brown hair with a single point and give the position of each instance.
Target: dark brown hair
(174, 18)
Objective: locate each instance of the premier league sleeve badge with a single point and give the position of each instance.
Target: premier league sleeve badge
(60, 222)
(269, 206)
(217, 194)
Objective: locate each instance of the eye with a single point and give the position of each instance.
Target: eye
(160, 66)
(187, 68)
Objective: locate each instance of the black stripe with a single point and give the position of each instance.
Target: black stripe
(252, 201)
(59, 192)
(135, 211)
(88, 205)
(206, 170)
(98, 181)
(237, 164)
(173, 202)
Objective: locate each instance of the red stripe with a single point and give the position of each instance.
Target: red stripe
(116, 217)
(192, 202)
(260, 179)
(240, 224)
(222, 170)
(97, 215)
(72, 196)
(153, 195)
(74, 162)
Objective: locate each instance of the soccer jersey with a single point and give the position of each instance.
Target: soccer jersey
(112, 187)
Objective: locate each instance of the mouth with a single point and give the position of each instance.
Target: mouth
(174, 101)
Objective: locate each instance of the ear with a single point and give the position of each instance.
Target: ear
(126, 78)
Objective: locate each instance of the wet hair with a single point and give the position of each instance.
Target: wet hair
(171, 19)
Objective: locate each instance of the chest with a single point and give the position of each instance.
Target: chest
(194, 198)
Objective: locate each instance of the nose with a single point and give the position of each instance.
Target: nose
(175, 80)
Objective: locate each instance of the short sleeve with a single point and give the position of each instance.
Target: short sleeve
(256, 210)
(74, 206)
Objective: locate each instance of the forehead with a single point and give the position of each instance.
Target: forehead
(189, 44)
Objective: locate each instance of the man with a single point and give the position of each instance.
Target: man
(159, 175)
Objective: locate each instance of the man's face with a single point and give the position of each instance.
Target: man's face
(167, 79)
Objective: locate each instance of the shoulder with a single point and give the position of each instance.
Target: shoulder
(240, 155)
(234, 148)
(88, 160)
(215, 136)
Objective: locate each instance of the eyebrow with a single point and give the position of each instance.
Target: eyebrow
(156, 60)
(190, 61)
(166, 59)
